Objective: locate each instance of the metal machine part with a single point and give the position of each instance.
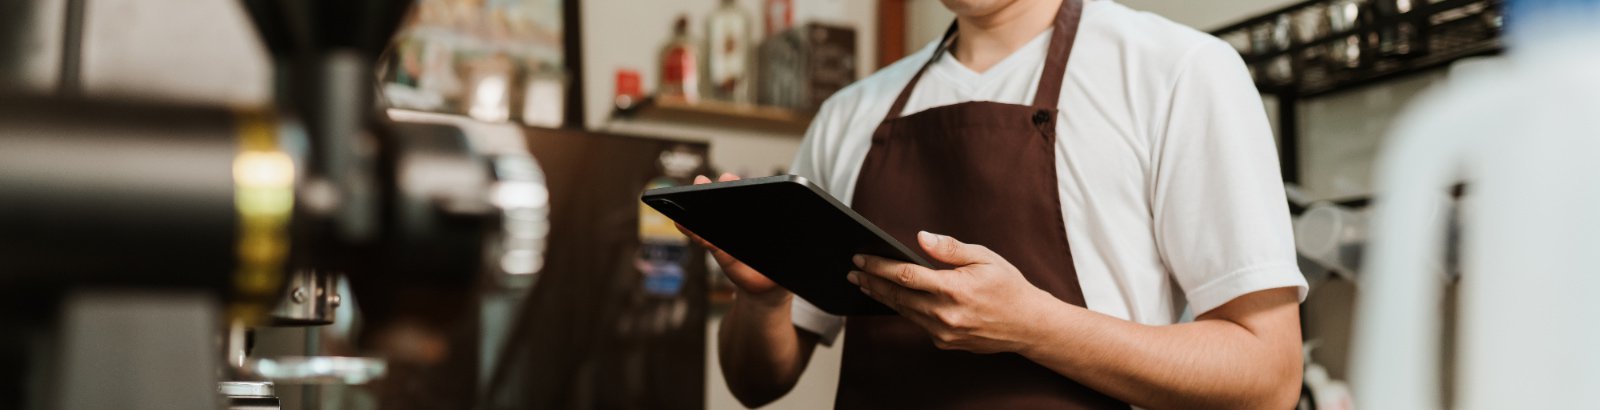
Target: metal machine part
(227, 204)
(143, 201)
(514, 252)
(308, 300)
(135, 351)
(245, 389)
(118, 194)
(317, 370)
(249, 395)
(324, 52)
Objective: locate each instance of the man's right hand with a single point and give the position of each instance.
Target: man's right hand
(752, 284)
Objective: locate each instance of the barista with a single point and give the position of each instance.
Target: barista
(1082, 173)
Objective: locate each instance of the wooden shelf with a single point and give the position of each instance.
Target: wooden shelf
(720, 114)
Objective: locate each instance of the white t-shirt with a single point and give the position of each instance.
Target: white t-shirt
(1167, 169)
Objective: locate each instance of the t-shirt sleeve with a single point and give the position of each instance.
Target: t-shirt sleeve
(812, 162)
(1221, 216)
(808, 317)
(816, 156)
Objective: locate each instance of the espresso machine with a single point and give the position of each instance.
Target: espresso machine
(142, 241)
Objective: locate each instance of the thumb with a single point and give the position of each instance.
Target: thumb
(949, 250)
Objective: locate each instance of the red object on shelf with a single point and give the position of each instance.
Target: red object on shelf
(629, 89)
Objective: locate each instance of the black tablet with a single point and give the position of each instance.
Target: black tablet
(789, 230)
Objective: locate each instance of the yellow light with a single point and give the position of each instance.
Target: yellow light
(263, 170)
(263, 178)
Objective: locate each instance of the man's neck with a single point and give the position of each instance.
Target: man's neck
(984, 40)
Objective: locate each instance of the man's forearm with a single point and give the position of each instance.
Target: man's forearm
(1205, 364)
(761, 352)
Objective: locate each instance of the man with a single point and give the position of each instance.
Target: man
(1148, 153)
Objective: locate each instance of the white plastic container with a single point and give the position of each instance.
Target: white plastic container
(1525, 137)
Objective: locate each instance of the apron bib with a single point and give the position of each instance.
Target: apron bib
(983, 172)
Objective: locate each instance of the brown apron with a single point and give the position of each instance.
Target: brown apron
(983, 172)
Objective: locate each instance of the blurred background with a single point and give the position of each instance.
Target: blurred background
(447, 189)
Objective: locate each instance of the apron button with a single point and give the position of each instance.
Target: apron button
(1041, 117)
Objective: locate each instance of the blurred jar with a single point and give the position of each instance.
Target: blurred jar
(1332, 236)
(1396, 38)
(1311, 26)
(1343, 16)
(1281, 69)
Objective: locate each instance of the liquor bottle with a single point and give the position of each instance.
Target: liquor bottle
(779, 16)
(679, 75)
(728, 53)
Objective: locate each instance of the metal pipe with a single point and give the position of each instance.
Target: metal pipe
(71, 81)
(115, 194)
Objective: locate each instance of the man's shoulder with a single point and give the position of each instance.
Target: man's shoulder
(1162, 45)
(1148, 29)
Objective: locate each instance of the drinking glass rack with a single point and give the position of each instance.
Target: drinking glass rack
(1323, 46)
(1318, 47)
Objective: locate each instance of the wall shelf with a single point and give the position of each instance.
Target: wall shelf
(719, 114)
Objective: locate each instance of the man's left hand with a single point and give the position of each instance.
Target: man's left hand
(982, 305)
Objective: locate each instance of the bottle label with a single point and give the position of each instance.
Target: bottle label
(679, 67)
(728, 51)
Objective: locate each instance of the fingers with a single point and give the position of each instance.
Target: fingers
(725, 177)
(698, 179)
(702, 179)
(722, 257)
(949, 250)
(908, 275)
(899, 298)
(696, 238)
(685, 231)
(690, 234)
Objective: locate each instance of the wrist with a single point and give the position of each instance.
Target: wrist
(1042, 320)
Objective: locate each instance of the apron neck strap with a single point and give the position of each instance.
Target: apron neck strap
(905, 93)
(1064, 34)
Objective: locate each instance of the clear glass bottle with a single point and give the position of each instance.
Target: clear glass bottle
(728, 45)
(779, 15)
(679, 74)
